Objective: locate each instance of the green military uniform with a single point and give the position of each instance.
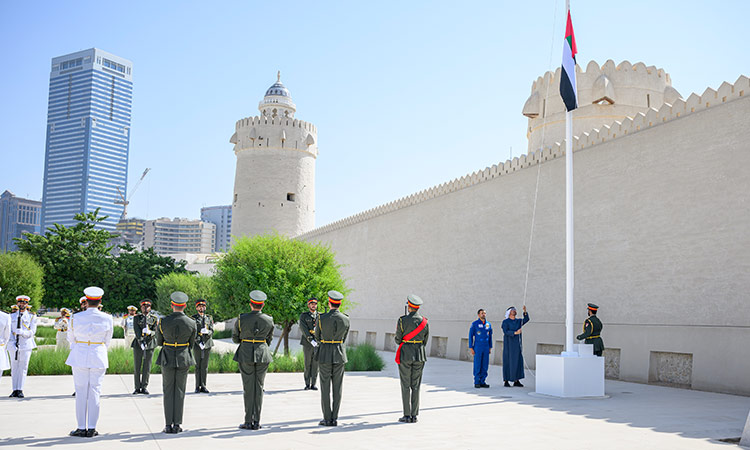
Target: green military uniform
(143, 348)
(331, 332)
(176, 334)
(254, 332)
(307, 322)
(412, 357)
(202, 348)
(592, 330)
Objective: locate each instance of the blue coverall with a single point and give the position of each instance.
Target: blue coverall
(480, 339)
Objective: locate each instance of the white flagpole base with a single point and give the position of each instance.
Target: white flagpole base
(569, 376)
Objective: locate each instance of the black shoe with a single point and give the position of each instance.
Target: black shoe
(324, 423)
(168, 429)
(135, 392)
(246, 426)
(197, 390)
(333, 423)
(74, 394)
(91, 432)
(413, 419)
(477, 386)
(517, 384)
(20, 394)
(204, 390)
(13, 394)
(405, 419)
(484, 385)
(145, 391)
(506, 384)
(313, 388)
(176, 428)
(256, 425)
(78, 433)
(307, 388)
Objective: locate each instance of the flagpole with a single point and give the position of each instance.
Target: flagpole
(569, 311)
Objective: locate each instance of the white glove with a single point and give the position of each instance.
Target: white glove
(202, 345)
(205, 331)
(314, 343)
(143, 346)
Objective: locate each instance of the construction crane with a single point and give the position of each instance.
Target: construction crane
(123, 201)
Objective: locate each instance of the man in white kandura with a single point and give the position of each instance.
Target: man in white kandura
(22, 329)
(89, 334)
(4, 338)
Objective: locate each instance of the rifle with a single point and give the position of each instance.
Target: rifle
(18, 326)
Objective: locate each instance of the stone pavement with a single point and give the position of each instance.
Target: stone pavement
(454, 415)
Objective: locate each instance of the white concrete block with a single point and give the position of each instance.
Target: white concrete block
(561, 376)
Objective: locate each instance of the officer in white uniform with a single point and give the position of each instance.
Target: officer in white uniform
(61, 325)
(4, 338)
(22, 329)
(89, 334)
(128, 325)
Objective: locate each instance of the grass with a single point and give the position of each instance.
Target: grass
(50, 332)
(223, 334)
(48, 361)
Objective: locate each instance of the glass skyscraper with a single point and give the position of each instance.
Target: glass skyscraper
(88, 137)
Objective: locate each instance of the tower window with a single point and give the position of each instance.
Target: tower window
(290, 197)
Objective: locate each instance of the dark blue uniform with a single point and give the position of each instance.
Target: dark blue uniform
(480, 339)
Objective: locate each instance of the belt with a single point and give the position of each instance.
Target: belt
(254, 341)
(593, 337)
(89, 342)
(413, 342)
(175, 344)
(332, 342)
(312, 331)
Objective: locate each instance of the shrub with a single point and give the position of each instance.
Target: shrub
(118, 333)
(223, 334)
(45, 332)
(363, 358)
(20, 275)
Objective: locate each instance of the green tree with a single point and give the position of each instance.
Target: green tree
(195, 286)
(133, 276)
(288, 271)
(20, 275)
(71, 257)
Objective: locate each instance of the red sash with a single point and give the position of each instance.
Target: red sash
(409, 337)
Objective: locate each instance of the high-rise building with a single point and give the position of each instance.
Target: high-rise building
(130, 231)
(168, 236)
(88, 136)
(221, 216)
(17, 216)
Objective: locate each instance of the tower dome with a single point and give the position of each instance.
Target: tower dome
(277, 101)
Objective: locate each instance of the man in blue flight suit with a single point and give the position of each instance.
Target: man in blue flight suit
(480, 345)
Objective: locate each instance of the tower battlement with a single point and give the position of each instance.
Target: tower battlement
(275, 132)
(605, 94)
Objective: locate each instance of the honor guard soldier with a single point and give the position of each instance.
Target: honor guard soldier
(144, 344)
(61, 325)
(592, 330)
(89, 335)
(412, 332)
(254, 332)
(307, 322)
(202, 350)
(23, 329)
(4, 338)
(128, 324)
(176, 334)
(331, 332)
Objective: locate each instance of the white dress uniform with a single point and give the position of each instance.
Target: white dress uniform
(61, 325)
(24, 337)
(127, 322)
(89, 334)
(4, 338)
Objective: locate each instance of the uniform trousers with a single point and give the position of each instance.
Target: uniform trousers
(331, 376)
(311, 365)
(173, 380)
(201, 365)
(62, 343)
(142, 366)
(88, 383)
(410, 373)
(129, 338)
(481, 363)
(19, 367)
(253, 378)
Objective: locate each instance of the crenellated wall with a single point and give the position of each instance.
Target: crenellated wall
(661, 245)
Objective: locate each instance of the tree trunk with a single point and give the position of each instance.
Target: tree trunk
(276, 350)
(287, 329)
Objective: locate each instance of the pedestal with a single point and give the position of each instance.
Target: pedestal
(745, 440)
(570, 376)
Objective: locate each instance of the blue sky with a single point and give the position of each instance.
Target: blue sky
(405, 95)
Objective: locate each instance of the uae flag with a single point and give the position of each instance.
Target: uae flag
(568, 89)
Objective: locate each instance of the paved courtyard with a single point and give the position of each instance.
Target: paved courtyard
(454, 415)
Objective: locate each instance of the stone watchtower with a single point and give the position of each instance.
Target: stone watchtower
(274, 184)
(605, 94)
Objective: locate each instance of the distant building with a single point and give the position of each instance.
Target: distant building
(169, 236)
(17, 216)
(131, 232)
(221, 216)
(88, 137)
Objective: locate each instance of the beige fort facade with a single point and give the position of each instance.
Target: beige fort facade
(661, 243)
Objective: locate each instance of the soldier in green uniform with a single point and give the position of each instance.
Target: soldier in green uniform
(330, 333)
(254, 332)
(592, 330)
(412, 332)
(202, 350)
(307, 322)
(176, 334)
(144, 325)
